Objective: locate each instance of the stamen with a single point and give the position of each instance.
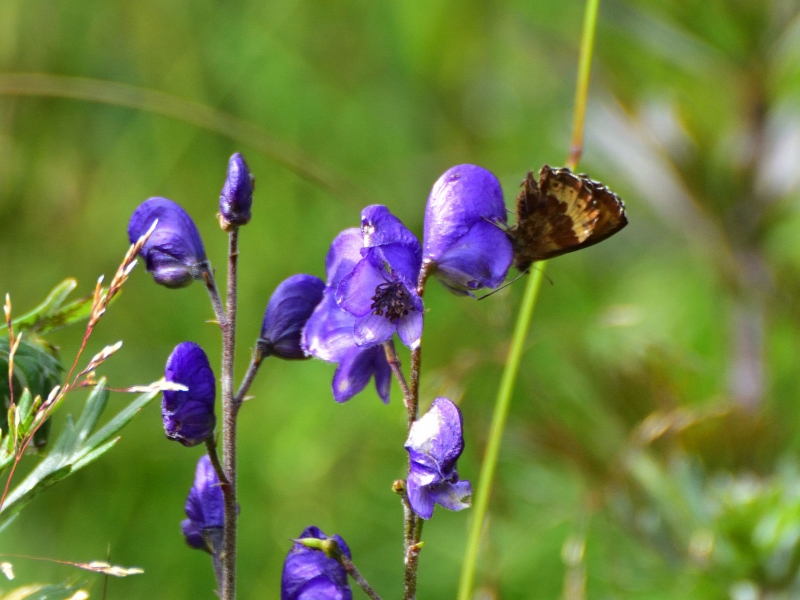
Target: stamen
(391, 300)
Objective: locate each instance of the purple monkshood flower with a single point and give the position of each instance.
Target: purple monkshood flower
(174, 253)
(381, 289)
(434, 444)
(308, 574)
(237, 194)
(288, 310)
(189, 416)
(329, 333)
(205, 507)
(464, 230)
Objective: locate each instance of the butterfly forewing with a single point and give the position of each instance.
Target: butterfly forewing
(562, 213)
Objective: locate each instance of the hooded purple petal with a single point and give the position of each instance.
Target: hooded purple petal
(193, 535)
(382, 300)
(237, 193)
(434, 444)
(205, 505)
(409, 328)
(418, 496)
(356, 368)
(343, 255)
(288, 311)
(468, 256)
(174, 253)
(189, 416)
(452, 495)
(356, 291)
(478, 259)
(328, 334)
(373, 330)
(380, 227)
(308, 574)
(436, 439)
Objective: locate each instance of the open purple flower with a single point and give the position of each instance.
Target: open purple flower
(189, 416)
(464, 230)
(288, 311)
(309, 574)
(329, 333)
(205, 508)
(381, 289)
(237, 194)
(434, 444)
(174, 252)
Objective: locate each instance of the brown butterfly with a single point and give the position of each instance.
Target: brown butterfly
(562, 213)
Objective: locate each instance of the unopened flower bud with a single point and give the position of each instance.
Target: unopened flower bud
(189, 416)
(464, 236)
(237, 194)
(205, 508)
(174, 252)
(309, 572)
(288, 311)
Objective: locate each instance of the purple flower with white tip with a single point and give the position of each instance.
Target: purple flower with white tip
(329, 333)
(309, 574)
(237, 194)
(174, 252)
(434, 444)
(288, 311)
(464, 236)
(381, 289)
(189, 415)
(205, 507)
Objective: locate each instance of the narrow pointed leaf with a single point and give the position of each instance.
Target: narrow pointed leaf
(111, 428)
(94, 407)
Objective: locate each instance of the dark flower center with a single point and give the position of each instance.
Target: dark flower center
(391, 300)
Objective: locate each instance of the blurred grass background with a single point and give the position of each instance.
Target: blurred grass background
(652, 449)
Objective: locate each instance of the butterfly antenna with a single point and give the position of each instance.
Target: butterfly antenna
(546, 276)
(502, 287)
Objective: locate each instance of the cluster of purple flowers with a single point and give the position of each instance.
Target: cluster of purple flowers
(373, 290)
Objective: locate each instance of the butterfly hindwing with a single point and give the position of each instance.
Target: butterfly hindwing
(561, 213)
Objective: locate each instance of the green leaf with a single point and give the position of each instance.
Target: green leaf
(95, 405)
(53, 314)
(111, 428)
(93, 454)
(77, 446)
(34, 369)
(50, 305)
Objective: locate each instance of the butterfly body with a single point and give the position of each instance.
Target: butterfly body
(562, 212)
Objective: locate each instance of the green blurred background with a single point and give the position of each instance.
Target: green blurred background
(652, 447)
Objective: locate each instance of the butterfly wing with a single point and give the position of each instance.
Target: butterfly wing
(562, 213)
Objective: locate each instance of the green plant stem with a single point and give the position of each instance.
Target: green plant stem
(582, 86)
(249, 377)
(213, 294)
(357, 577)
(481, 500)
(397, 369)
(412, 524)
(211, 449)
(229, 412)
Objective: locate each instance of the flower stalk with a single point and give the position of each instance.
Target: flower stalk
(522, 327)
(412, 524)
(229, 413)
